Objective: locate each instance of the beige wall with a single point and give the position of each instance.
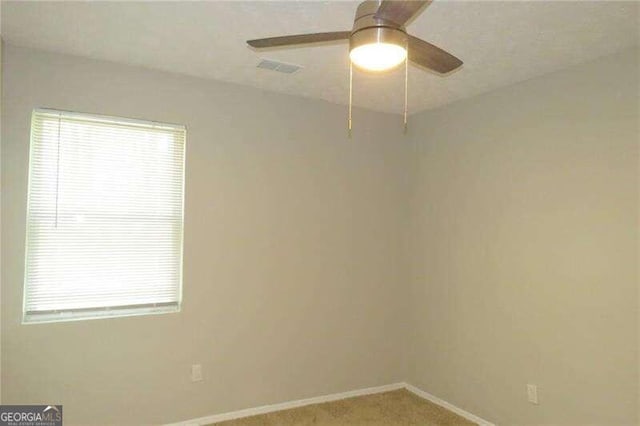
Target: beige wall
(1, 43)
(524, 248)
(495, 245)
(292, 236)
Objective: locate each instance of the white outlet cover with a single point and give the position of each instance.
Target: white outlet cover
(196, 373)
(532, 393)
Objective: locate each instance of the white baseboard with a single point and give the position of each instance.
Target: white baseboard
(447, 405)
(328, 398)
(287, 405)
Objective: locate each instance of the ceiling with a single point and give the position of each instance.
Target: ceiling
(500, 42)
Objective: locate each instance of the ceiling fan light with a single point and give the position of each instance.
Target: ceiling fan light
(378, 48)
(378, 56)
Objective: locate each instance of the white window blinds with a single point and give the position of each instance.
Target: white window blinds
(105, 217)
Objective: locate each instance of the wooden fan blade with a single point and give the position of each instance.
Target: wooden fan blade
(432, 57)
(400, 11)
(298, 39)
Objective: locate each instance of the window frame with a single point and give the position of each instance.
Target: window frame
(81, 314)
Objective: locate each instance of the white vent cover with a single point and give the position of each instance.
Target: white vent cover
(272, 65)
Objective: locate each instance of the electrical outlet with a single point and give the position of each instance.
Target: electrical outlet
(196, 373)
(532, 394)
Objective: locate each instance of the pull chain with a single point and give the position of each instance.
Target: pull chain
(406, 91)
(350, 93)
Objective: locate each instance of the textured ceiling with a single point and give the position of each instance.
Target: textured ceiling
(500, 42)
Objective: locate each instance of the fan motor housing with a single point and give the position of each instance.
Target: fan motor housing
(366, 17)
(369, 29)
(367, 7)
(378, 35)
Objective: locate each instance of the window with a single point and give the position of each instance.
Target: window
(104, 217)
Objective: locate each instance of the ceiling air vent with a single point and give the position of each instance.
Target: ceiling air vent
(269, 64)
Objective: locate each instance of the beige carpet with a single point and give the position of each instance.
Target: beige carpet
(396, 408)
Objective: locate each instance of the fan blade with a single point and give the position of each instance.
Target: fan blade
(400, 11)
(432, 57)
(299, 39)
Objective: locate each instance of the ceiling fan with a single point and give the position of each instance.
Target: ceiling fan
(378, 40)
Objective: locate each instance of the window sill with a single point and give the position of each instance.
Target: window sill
(92, 314)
